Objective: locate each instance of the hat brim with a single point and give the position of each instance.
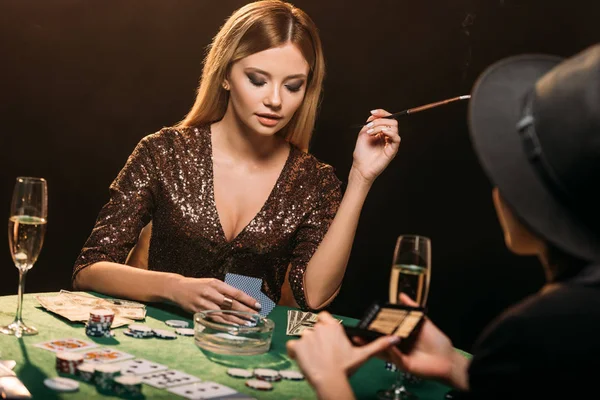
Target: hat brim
(494, 110)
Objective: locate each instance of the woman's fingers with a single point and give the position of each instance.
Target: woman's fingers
(405, 299)
(379, 113)
(241, 301)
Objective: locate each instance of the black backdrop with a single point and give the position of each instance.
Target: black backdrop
(82, 82)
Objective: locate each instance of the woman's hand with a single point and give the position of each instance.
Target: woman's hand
(377, 144)
(325, 353)
(197, 294)
(432, 355)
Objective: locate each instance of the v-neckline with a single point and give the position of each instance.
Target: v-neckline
(260, 211)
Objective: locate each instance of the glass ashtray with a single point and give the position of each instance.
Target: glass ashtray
(233, 332)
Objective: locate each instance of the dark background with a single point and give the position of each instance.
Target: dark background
(81, 82)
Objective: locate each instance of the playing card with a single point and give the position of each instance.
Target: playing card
(169, 378)
(203, 390)
(243, 281)
(140, 366)
(68, 344)
(267, 304)
(105, 355)
(252, 287)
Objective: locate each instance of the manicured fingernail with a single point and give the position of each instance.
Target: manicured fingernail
(257, 306)
(249, 323)
(394, 339)
(370, 130)
(370, 124)
(374, 112)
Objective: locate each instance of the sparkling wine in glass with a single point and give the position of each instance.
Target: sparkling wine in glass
(26, 230)
(410, 274)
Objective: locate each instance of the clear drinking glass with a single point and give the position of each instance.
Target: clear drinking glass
(26, 230)
(410, 274)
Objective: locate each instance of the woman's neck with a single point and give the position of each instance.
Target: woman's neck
(233, 137)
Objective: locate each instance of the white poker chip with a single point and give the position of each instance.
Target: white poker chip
(184, 331)
(291, 375)
(139, 328)
(137, 335)
(86, 367)
(102, 312)
(164, 334)
(69, 356)
(240, 373)
(128, 380)
(258, 384)
(61, 384)
(107, 368)
(265, 372)
(176, 323)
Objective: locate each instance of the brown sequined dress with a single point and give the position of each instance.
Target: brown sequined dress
(169, 179)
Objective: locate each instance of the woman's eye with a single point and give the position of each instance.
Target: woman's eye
(294, 88)
(256, 81)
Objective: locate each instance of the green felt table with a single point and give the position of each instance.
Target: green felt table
(35, 364)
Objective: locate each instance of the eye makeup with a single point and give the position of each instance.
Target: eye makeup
(389, 319)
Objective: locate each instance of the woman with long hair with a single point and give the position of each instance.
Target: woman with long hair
(232, 188)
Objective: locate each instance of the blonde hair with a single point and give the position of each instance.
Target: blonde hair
(255, 27)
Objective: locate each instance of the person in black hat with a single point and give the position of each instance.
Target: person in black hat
(534, 121)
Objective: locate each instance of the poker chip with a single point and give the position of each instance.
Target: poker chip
(138, 335)
(101, 315)
(240, 373)
(86, 371)
(164, 334)
(140, 328)
(265, 374)
(104, 376)
(184, 331)
(176, 323)
(67, 362)
(99, 323)
(258, 384)
(128, 385)
(291, 375)
(60, 384)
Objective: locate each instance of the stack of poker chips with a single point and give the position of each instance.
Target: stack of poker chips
(67, 362)
(128, 386)
(99, 323)
(104, 376)
(139, 331)
(86, 372)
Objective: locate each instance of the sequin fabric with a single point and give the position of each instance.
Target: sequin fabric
(168, 179)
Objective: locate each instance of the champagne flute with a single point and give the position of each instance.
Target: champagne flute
(410, 274)
(26, 229)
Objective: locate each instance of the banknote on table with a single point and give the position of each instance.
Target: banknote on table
(76, 307)
(298, 321)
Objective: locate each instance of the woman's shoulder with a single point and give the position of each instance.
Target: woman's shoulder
(173, 136)
(314, 173)
(312, 165)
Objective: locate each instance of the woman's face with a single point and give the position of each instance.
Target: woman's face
(266, 88)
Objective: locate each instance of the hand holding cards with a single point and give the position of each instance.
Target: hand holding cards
(252, 287)
(389, 319)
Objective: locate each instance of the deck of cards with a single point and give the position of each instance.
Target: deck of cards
(298, 321)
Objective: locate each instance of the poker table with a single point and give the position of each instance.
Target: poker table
(35, 364)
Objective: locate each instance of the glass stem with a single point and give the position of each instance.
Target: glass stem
(399, 379)
(22, 274)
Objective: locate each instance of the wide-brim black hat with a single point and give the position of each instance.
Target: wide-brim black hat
(534, 122)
